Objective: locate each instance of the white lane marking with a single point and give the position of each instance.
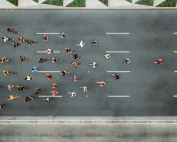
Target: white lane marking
(118, 96)
(175, 33)
(48, 71)
(174, 95)
(118, 71)
(117, 51)
(47, 33)
(175, 71)
(175, 51)
(50, 96)
(117, 33)
(46, 51)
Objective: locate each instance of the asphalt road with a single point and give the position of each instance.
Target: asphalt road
(150, 86)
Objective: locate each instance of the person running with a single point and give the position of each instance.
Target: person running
(127, 61)
(2, 106)
(75, 78)
(38, 91)
(6, 72)
(42, 60)
(21, 39)
(11, 97)
(22, 58)
(4, 59)
(107, 56)
(102, 83)
(93, 64)
(15, 44)
(49, 76)
(49, 51)
(45, 38)
(34, 69)
(76, 56)
(5, 38)
(95, 42)
(28, 78)
(73, 94)
(54, 93)
(10, 87)
(82, 43)
(54, 60)
(22, 88)
(84, 88)
(68, 50)
(74, 64)
(47, 100)
(116, 76)
(64, 73)
(63, 35)
(55, 85)
(28, 98)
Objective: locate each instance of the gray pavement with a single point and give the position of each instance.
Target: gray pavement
(150, 86)
(87, 133)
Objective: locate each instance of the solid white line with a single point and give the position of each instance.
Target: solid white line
(46, 51)
(118, 71)
(118, 96)
(118, 33)
(50, 96)
(48, 71)
(47, 33)
(117, 51)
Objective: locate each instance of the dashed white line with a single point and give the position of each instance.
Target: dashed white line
(117, 33)
(175, 71)
(174, 95)
(118, 71)
(49, 71)
(50, 96)
(47, 33)
(175, 51)
(175, 33)
(113, 96)
(46, 51)
(117, 51)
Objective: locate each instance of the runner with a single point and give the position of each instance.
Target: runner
(54, 93)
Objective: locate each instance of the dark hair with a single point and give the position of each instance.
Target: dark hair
(2, 37)
(8, 29)
(25, 78)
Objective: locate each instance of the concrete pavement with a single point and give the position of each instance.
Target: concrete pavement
(88, 133)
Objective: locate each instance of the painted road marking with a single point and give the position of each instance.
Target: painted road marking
(117, 51)
(175, 71)
(175, 51)
(50, 96)
(117, 33)
(47, 33)
(175, 33)
(117, 96)
(46, 51)
(49, 71)
(118, 71)
(174, 95)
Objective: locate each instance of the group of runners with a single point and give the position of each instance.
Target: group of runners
(54, 60)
